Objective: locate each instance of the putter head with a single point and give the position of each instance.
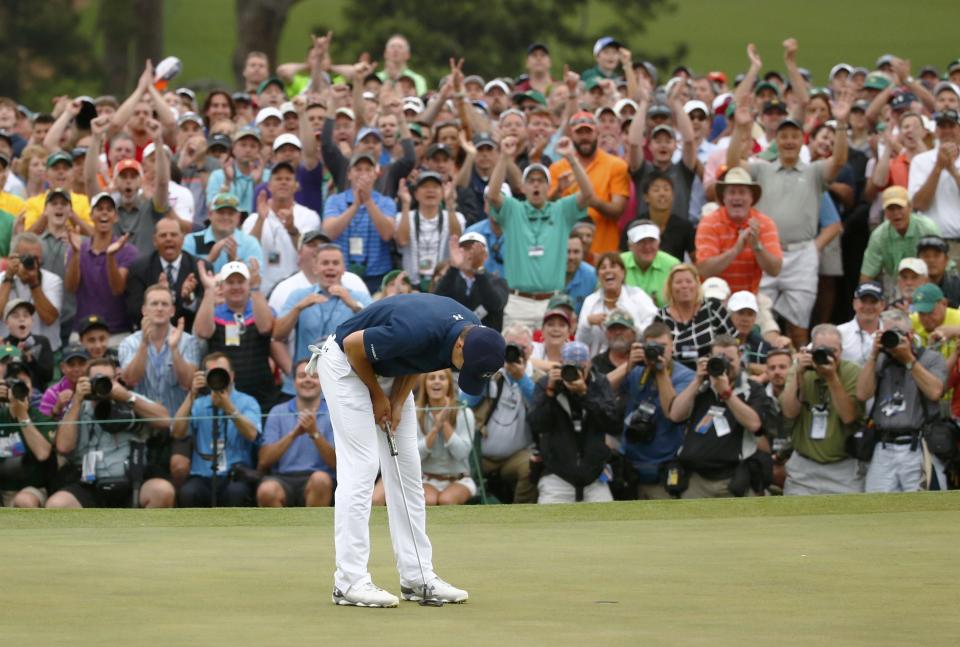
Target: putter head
(430, 602)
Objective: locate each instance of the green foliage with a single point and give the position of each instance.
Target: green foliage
(43, 52)
(492, 36)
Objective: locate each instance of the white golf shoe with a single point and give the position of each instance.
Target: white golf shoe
(366, 594)
(438, 589)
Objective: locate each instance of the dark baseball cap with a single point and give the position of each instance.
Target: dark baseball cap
(59, 156)
(438, 149)
(869, 289)
(789, 123)
(532, 47)
(933, 242)
(561, 300)
(946, 115)
(219, 140)
(362, 156)
(273, 80)
(483, 355)
(902, 100)
(926, 298)
(73, 351)
(483, 139)
(57, 192)
(659, 110)
(90, 322)
(775, 104)
(429, 176)
(314, 235)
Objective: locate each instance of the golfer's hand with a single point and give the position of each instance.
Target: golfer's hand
(381, 409)
(395, 418)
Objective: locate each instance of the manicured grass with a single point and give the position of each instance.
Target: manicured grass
(863, 570)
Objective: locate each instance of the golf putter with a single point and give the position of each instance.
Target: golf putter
(427, 600)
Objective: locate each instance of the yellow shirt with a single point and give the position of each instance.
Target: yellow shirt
(952, 318)
(35, 205)
(10, 203)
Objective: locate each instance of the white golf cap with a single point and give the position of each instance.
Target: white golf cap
(638, 233)
(151, 148)
(534, 168)
(233, 267)
(496, 83)
(917, 265)
(623, 103)
(287, 107)
(742, 300)
(346, 112)
(473, 237)
(695, 104)
(266, 113)
(287, 138)
(413, 103)
(716, 288)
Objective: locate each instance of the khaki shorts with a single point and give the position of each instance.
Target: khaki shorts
(442, 484)
(9, 495)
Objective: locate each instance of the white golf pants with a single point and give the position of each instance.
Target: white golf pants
(362, 449)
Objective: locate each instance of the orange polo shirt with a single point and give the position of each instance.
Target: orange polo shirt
(609, 176)
(716, 233)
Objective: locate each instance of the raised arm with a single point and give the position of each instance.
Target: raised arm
(123, 114)
(585, 197)
(840, 150)
(743, 123)
(51, 141)
(508, 147)
(685, 128)
(797, 82)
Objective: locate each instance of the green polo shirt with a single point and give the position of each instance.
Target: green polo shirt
(887, 248)
(7, 221)
(596, 73)
(535, 242)
(652, 279)
(813, 392)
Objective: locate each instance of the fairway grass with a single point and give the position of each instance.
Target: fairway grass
(856, 570)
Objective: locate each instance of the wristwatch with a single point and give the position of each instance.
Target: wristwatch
(909, 365)
(133, 398)
(25, 421)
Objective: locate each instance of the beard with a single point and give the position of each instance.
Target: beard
(587, 149)
(620, 346)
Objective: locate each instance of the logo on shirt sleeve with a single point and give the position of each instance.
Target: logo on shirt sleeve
(373, 353)
(458, 317)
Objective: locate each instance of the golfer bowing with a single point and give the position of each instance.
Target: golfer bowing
(367, 371)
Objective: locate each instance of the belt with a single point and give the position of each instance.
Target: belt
(899, 437)
(536, 296)
(443, 477)
(792, 247)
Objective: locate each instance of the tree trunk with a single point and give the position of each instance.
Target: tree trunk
(10, 61)
(149, 35)
(259, 25)
(116, 23)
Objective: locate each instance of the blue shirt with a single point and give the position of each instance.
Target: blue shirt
(583, 283)
(237, 448)
(494, 262)
(646, 458)
(409, 333)
(241, 188)
(159, 381)
(374, 259)
(302, 455)
(247, 247)
(320, 320)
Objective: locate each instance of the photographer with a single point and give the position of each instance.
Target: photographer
(501, 415)
(572, 410)
(718, 407)
(906, 382)
(26, 438)
(96, 436)
(775, 426)
(650, 437)
(235, 418)
(37, 355)
(820, 399)
(25, 279)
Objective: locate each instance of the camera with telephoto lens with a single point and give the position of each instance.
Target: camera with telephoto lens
(17, 388)
(890, 339)
(718, 365)
(29, 261)
(115, 417)
(822, 355)
(218, 379)
(641, 426)
(569, 372)
(512, 354)
(101, 386)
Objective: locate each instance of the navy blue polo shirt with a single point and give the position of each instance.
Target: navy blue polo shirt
(409, 333)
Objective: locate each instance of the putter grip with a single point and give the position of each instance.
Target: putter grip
(391, 440)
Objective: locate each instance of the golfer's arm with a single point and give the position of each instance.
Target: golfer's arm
(402, 386)
(353, 349)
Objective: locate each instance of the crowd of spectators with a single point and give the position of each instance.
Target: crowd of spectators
(709, 285)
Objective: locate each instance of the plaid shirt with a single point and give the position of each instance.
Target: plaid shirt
(375, 259)
(692, 339)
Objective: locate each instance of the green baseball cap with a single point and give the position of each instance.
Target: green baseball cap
(8, 351)
(876, 81)
(59, 156)
(225, 201)
(561, 300)
(390, 276)
(926, 298)
(273, 80)
(619, 318)
(765, 85)
(533, 95)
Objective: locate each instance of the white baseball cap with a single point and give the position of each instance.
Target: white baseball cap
(638, 233)
(266, 113)
(716, 288)
(534, 168)
(233, 267)
(346, 112)
(917, 265)
(623, 103)
(742, 300)
(287, 138)
(151, 148)
(695, 104)
(287, 107)
(496, 83)
(475, 237)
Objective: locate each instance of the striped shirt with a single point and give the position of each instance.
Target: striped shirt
(159, 381)
(717, 233)
(371, 257)
(692, 339)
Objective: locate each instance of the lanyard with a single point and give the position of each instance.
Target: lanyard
(416, 224)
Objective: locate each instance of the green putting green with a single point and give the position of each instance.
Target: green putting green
(856, 570)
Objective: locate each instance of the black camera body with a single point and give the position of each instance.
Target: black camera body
(642, 425)
(18, 389)
(890, 339)
(115, 417)
(570, 373)
(512, 354)
(821, 355)
(29, 261)
(718, 365)
(653, 352)
(101, 386)
(218, 379)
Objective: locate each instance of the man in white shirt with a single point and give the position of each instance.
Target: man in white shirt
(278, 224)
(934, 183)
(857, 334)
(25, 279)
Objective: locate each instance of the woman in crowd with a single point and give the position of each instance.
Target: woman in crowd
(557, 328)
(611, 295)
(32, 167)
(218, 106)
(693, 320)
(445, 441)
